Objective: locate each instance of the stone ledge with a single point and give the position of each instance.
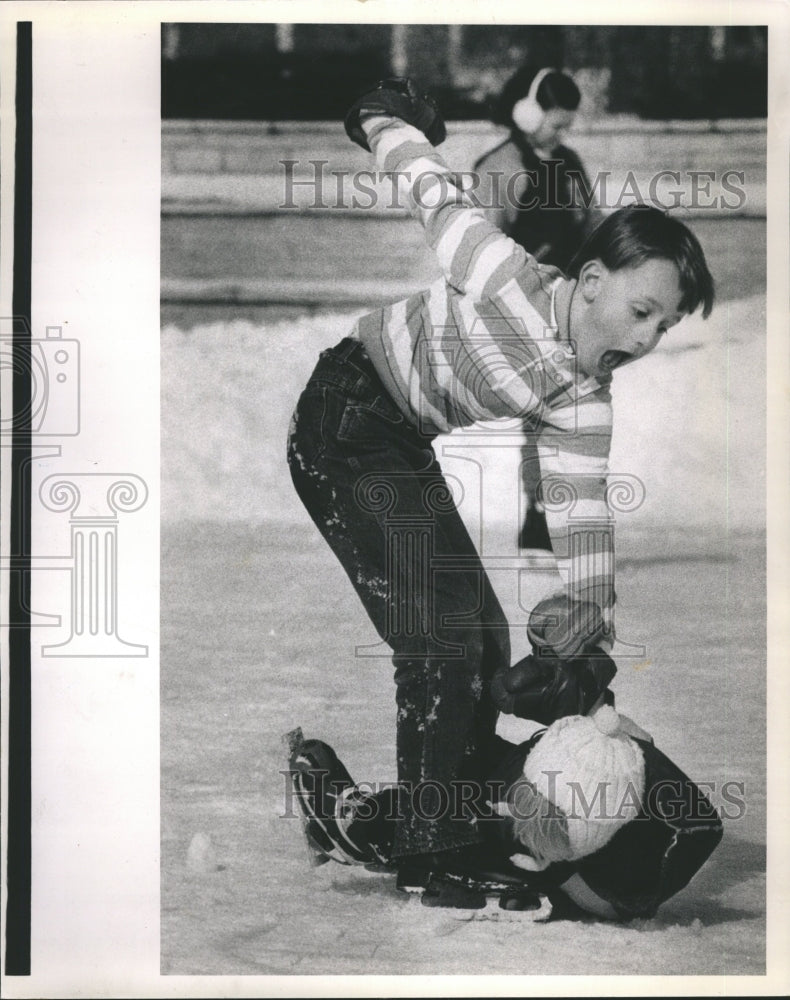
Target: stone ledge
(256, 291)
(613, 124)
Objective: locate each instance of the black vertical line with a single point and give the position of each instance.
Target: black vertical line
(18, 855)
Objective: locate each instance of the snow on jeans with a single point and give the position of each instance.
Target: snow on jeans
(370, 481)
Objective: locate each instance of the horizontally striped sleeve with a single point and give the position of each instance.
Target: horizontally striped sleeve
(573, 448)
(477, 258)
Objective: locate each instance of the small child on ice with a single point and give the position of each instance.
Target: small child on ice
(499, 336)
(581, 812)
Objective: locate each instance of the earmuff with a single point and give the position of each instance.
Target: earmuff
(527, 114)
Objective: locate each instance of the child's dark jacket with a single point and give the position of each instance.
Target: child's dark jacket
(650, 858)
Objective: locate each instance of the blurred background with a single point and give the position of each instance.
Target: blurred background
(309, 71)
(240, 99)
(265, 258)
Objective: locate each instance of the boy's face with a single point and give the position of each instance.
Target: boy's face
(554, 123)
(619, 316)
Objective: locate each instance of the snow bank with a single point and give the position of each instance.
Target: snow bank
(689, 423)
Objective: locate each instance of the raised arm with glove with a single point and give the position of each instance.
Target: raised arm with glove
(401, 99)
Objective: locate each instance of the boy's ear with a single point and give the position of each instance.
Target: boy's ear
(590, 275)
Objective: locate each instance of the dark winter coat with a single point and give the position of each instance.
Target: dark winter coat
(649, 859)
(541, 203)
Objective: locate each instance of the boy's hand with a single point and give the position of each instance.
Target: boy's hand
(400, 99)
(565, 627)
(545, 689)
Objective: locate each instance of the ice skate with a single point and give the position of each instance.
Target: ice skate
(343, 824)
(328, 804)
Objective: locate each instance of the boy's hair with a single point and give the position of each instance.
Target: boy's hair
(556, 90)
(638, 233)
(539, 826)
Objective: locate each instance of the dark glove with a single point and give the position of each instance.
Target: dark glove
(401, 99)
(547, 688)
(565, 627)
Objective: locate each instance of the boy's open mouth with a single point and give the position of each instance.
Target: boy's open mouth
(613, 359)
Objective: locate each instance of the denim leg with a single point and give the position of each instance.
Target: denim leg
(376, 493)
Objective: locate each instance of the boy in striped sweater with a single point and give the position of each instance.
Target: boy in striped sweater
(498, 336)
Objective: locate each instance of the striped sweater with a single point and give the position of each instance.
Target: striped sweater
(491, 340)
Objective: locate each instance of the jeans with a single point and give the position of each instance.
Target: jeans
(371, 482)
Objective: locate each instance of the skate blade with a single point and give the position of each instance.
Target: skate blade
(492, 911)
(464, 898)
(489, 909)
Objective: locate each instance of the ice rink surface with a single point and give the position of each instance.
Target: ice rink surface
(260, 627)
(261, 638)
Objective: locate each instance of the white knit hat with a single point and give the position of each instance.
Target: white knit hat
(593, 773)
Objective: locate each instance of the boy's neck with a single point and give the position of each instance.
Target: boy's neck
(563, 303)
